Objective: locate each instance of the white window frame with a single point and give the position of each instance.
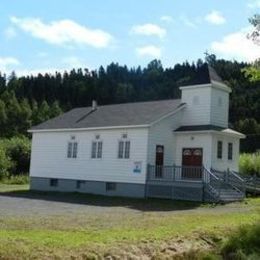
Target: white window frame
(72, 153)
(124, 151)
(97, 142)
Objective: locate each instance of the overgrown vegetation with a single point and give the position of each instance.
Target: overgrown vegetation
(14, 159)
(249, 164)
(243, 244)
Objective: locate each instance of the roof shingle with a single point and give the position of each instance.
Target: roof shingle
(139, 113)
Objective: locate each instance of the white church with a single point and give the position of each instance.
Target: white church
(176, 149)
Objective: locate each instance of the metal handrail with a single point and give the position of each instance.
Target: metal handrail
(236, 175)
(213, 183)
(211, 173)
(241, 182)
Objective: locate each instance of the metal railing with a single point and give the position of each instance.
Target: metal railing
(174, 173)
(212, 183)
(236, 181)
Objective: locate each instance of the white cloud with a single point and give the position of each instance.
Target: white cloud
(149, 30)
(10, 33)
(215, 17)
(188, 22)
(166, 18)
(63, 32)
(35, 72)
(66, 64)
(237, 46)
(7, 63)
(149, 50)
(254, 4)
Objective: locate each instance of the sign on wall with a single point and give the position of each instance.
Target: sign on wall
(137, 167)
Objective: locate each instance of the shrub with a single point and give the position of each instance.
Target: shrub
(18, 179)
(18, 150)
(249, 164)
(5, 163)
(243, 244)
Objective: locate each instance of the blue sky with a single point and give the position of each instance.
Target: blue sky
(49, 35)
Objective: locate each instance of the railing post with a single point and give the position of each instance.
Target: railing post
(227, 176)
(173, 173)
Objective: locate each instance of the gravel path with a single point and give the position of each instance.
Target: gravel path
(46, 204)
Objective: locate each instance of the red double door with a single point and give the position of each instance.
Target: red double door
(192, 163)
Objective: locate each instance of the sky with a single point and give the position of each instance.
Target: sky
(49, 35)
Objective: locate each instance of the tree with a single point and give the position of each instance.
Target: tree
(55, 109)
(3, 118)
(255, 35)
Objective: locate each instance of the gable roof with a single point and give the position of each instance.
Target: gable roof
(128, 114)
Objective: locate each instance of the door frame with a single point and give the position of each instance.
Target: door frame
(195, 171)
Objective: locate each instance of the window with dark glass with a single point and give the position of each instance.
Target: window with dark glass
(96, 151)
(72, 150)
(53, 182)
(110, 186)
(230, 151)
(79, 184)
(219, 150)
(124, 149)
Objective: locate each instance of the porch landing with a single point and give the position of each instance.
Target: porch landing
(193, 183)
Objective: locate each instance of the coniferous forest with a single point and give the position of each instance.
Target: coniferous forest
(29, 100)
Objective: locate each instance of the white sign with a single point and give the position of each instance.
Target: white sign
(137, 167)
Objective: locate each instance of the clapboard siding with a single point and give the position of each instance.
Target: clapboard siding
(224, 163)
(219, 107)
(198, 107)
(161, 133)
(49, 156)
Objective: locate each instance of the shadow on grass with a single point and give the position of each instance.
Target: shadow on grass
(104, 201)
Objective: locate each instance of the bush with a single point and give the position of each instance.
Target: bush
(249, 164)
(5, 163)
(18, 179)
(244, 244)
(18, 150)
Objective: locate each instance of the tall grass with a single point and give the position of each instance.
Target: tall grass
(244, 244)
(249, 164)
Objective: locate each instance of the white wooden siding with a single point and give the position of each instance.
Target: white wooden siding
(196, 140)
(161, 133)
(49, 156)
(198, 100)
(224, 163)
(219, 112)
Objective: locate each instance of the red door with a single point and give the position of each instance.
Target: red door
(159, 161)
(192, 163)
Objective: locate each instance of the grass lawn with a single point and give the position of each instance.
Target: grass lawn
(118, 228)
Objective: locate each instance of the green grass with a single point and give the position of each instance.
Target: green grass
(244, 243)
(16, 179)
(4, 187)
(152, 229)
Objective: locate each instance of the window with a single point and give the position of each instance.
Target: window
(79, 184)
(96, 151)
(110, 186)
(219, 150)
(230, 151)
(72, 151)
(124, 149)
(53, 182)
